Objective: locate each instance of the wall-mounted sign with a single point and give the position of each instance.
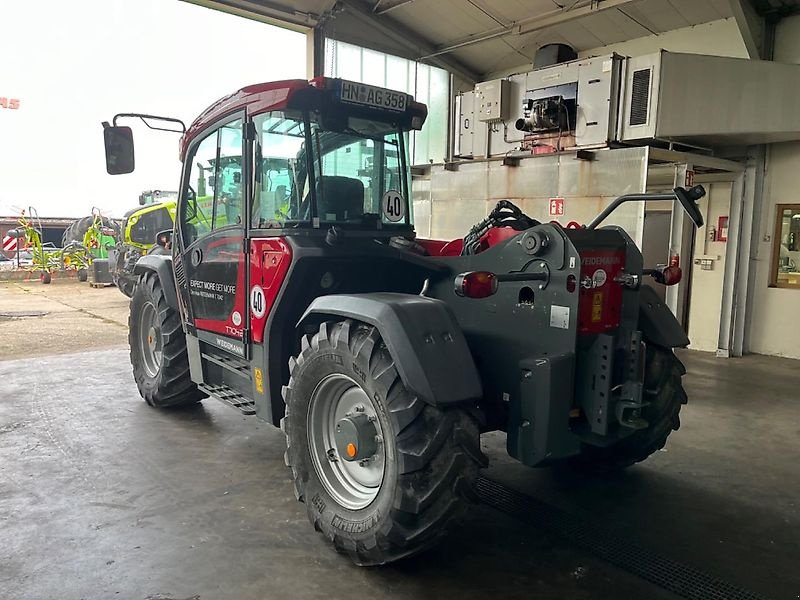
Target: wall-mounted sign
(556, 207)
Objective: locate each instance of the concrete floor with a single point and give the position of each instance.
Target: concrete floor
(72, 316)
(104, 497)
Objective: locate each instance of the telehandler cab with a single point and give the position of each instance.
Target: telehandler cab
(296, 291)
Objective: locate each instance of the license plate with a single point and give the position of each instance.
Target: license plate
(368, 95)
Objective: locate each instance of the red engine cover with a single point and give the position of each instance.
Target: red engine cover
(600, 296)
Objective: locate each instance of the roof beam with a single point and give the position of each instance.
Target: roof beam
(564, 16)
(384, 6)
(403, 36)
(266, 11)
(751, 27)
(531, 24)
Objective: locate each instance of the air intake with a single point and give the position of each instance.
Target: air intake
(640, 97)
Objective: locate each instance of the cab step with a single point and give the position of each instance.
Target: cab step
(230, 397)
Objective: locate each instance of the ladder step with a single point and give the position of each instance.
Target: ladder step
(230, 397)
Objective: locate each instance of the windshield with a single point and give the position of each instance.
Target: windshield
(357, 173)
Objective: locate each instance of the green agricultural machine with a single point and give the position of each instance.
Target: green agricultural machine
(46, 258)
(140, 229)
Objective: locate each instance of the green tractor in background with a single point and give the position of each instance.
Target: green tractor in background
(96, 233)
(140, 229)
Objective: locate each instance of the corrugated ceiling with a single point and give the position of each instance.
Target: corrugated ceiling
(475, 37)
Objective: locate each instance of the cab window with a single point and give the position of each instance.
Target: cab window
(214, 194)
(149, 225)
(281, 189)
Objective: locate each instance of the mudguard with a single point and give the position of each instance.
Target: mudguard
(657, 323)
(161, 265)
(422, 335)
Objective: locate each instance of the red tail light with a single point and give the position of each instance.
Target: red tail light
(672, 275)
(476, 284)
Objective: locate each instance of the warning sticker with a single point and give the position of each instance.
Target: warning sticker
(597, 307)
(599, 278)
(259, 380)
(559, 316)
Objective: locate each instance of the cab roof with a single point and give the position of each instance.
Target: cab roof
(255, 98)
(261, 97)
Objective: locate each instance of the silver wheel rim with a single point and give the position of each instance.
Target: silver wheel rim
(150, 339)
(354, 485)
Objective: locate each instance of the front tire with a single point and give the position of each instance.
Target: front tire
(158, 348)
(403, 498)
(83, 275)
(664, 392)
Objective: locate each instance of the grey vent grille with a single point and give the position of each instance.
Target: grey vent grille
(640, 97)
(180, 274)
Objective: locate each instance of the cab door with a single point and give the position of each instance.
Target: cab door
(212, 235)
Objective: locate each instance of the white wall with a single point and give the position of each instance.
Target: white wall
(773, 327)
(720, 38)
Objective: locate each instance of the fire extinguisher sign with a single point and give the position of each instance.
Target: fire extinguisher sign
(556, 207)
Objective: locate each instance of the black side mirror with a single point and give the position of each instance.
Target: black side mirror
(688, 199)
(119, 150)
(164, 238)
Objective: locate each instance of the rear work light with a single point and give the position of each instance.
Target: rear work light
(476, 284)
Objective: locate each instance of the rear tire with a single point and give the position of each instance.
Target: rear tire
(83, 275)
(664, 391)
(430, 455)
(158, 348)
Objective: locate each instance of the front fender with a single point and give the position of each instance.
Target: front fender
(161, 265)
(422, 335)
(657, 323)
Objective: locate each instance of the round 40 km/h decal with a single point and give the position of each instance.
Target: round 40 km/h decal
(393, 206)
(258, 302)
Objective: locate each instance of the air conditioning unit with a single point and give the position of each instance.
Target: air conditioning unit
(709, 100)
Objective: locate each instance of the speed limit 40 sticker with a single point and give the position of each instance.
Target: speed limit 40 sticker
(393, 206)
(258, 302)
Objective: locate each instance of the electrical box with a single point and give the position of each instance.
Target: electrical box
(491, 98)
(471, 134)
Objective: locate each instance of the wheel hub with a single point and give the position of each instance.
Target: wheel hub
(356, 437)
(346, 441)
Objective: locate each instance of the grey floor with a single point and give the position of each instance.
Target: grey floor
(102, 497)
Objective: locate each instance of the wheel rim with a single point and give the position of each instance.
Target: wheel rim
(355, 484)
(150, 339)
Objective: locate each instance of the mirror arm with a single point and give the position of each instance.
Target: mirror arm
(143, 117)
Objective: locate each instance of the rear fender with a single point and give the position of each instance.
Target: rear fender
(422, 335)
(657, 323)
(161, 265)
